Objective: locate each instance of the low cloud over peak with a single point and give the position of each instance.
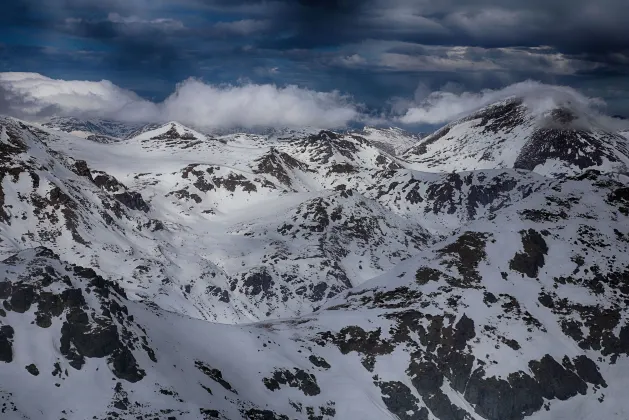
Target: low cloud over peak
(31, 95)
(250, 105)
(450, 103)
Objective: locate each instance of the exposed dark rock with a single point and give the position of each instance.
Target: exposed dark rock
(223, 295)
(499, 399)
(465, 254)
(214, 374)
(22, 297)
(232, 181)
(401, 297)
(599, 324)
(185, 194)
(620, 198)
(445, 196)
(541, 215)
(108, 183)
(555, 381)
(32, 369)
(532, 259)
(133, 200)
(566, 145)
(304, 381)
(276, 164)
(6, 343)
(173, 134)
(427, 380)
(61, 201)
(426, 274)
(209, 414)
(81, 169)
(489, 298)
(494, 194)
(343, 168)
(588, 371)
(500, 117)
(400, 401)
(49, 306)
(255, 414)
(325, 144)
(319, 362)
(257, 282)
(125, 366)
(422, 148)
(354, 338)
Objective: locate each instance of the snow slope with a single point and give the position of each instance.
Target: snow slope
(392, 140)
(180, 275)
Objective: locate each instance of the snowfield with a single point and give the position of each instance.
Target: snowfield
(481, 272)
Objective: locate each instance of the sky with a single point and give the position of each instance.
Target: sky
(317, 60)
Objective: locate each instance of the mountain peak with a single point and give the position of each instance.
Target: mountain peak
(548, 136)
(171, 132)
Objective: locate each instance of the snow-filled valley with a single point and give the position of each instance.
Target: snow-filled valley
(481, 272)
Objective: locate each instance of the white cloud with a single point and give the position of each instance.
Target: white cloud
(267, 71)
(242, 27)
(463, 58)
(353, 60)
(164, 23)
(31, 94)
(249, 105)
(130, 24)
(445, 106)
(193, 102)
(254, 105)
(492, 20)
(404, 62)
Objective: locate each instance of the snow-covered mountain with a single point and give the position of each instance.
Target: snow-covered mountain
(513, 134)
(392, 140)
(97, 130)
(175, 274)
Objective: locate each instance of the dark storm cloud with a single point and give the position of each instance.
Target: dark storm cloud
(592, 30)
(389, 45)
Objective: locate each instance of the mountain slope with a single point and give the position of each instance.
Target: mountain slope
(514, 134)
(392, 140)
(445, 335)
(99, 130)
(180, 275)
(178, 230)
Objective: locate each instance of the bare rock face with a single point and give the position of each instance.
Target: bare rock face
(102, 332)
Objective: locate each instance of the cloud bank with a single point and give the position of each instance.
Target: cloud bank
(249, 105)
(446, 105)
(31, 95)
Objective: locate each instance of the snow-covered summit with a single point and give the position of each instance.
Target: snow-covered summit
(170, 131)
(545, 137)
